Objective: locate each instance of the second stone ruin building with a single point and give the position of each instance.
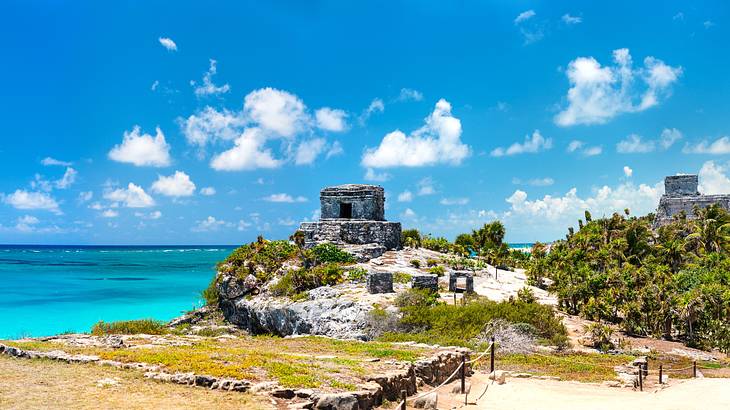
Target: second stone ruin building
(353, 217)
(681, 195)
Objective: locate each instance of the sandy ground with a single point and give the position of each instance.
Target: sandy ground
(706, 394)
(45, 384)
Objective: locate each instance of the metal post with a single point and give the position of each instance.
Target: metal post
(463, 374)
(661, 379)
(641, 378)
(403, 395)
(694, 368)
(491, 357)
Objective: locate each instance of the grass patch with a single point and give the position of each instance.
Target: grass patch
(129, 327)
(460, 325)
(574, 366)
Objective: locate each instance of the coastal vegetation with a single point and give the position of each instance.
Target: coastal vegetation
(129, 327)
(423, 318)
(672, 282)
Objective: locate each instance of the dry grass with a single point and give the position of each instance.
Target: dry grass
(46, 384)
(318, 362)
(580, 367)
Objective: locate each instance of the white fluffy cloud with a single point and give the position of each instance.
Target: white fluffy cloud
(168, 43)
(583, 149)
(142, 149)
(426, 187)
(68, 178)
(176, 185)
(437, 142)
(374, 176)
(207, 191)
(248, 153)
(150, 215)
(628, 171)
(208, 87)
(376, 106)
(570, 20)
(550, 216)
(22, 199)
(285, 198)
(308, 151)
(409, 94)
(110, 213)
(210, 125)
(277, 111)
(714, 179)
(717, 147)
(599, 93)
(405, 196)
(49, 161)
(268, 114)
(454, 201)
(208, 224)
(330, 119)
(524, 16)
(132, 197)
(633, 144)
(532, 144)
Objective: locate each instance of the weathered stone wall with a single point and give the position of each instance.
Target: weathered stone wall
(670, 206)
(681, 195)
(681, 185)
(367, 201)
(345, 231)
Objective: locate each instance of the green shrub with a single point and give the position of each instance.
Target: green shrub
(460, 325)
(300, 280)
(526, 295)
(416, 298)
(437, 270)
(129, 327)
(410, 238)
(437, 244)
(415, 263)
(401, 277)
(329, 253)
(211, 294)
(261, 258)
(357, 274)
(431, 262)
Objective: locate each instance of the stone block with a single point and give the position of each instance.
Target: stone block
(380, 282)
(430, 282)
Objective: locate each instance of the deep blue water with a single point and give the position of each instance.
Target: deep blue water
(47, 290)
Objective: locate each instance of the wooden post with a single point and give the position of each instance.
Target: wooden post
(491, 357)
(646, 368)
(661, 378)
(641, 378)
(403, 395)
(694, 368)
(454, 298)
(463, 374)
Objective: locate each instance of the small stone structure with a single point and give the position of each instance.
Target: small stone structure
(380, 282)
(468, 278)
(681, 194)
(430, 282)
(353, 217)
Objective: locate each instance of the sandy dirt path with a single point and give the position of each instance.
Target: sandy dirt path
(706, 394)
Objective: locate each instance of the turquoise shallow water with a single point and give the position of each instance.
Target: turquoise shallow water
(47, 290)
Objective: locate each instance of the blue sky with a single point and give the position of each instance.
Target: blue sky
(191, 123)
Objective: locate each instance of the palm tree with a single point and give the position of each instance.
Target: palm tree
(712, 229)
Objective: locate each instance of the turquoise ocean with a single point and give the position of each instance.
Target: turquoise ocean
(46, 290)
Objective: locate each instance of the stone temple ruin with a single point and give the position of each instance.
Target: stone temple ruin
(353, 217)
(681, 194)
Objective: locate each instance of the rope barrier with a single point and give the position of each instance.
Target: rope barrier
(489, 349)
(439, 386)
